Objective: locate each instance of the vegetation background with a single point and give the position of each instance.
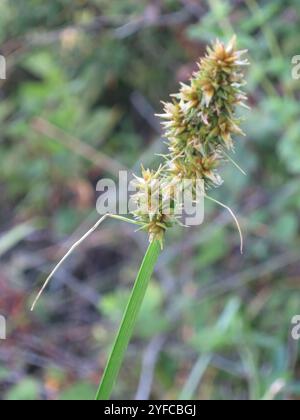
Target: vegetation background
(84, 80)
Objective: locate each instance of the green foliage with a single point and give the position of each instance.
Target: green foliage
(26, 390)
(85, 82)
(78, 392)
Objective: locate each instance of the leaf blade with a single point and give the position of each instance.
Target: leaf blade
(128, 322)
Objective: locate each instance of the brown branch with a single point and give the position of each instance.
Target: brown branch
(77, 146)
(120, 28)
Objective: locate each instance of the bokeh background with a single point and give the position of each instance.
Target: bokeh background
(84, 80)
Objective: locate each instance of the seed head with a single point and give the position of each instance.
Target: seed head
(199, 124)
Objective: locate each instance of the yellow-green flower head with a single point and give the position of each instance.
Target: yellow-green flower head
(154, 203)
(200, 121)
(199, 124)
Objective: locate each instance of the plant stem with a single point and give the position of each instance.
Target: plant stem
(127, 325)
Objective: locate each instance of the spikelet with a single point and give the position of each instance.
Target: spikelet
(154, 203)
(199, 124)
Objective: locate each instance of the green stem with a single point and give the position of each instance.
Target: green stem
(127, 325)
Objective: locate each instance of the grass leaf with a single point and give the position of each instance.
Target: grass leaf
(127, 325)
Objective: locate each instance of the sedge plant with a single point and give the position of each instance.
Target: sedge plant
(199, 124)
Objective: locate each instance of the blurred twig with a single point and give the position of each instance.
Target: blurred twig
(195, 377)
(240, 279)
(148, 366)
(146, 111)
(121, 26)
(77, 146)
(16, 235)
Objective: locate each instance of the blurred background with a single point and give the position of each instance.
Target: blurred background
(84, 80)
